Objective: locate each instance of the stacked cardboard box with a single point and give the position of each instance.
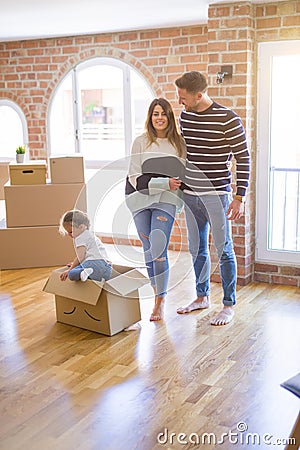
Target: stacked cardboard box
(33, 172)
(34, 207)
(4, 177)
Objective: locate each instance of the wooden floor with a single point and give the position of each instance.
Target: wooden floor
(63, 388)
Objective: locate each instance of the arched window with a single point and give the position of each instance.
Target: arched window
(97, 110)
(13, 129)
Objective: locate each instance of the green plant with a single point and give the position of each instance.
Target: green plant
(21, 150)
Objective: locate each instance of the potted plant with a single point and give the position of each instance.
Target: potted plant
(20, 153)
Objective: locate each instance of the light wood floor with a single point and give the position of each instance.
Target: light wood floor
(63, 388)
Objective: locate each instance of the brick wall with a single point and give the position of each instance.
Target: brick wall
(31, 70)
(231, 42)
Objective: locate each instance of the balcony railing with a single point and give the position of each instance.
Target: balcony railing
(284, 200)
(106, 131)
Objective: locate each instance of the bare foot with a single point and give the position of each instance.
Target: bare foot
(158, 310)
(199, 303)
(223, 317)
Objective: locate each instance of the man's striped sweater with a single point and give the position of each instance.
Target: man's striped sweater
(212, 138)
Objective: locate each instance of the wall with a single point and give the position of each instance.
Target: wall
(30, 71)
(234, 31)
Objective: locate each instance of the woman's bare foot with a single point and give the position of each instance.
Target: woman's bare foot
(223, 317)
(158, 310)
(199, 303)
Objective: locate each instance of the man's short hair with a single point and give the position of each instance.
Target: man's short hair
(192, 81)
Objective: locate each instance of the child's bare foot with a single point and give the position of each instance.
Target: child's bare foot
(199, 303)
(223, 317)
(158, 310)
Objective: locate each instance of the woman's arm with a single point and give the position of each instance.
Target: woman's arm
(135, 164)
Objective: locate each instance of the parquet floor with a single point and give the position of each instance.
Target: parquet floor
(63, 388)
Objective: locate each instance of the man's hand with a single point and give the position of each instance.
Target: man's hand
(174, 183)
(236, 210)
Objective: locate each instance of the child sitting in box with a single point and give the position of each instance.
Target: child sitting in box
(91, 260)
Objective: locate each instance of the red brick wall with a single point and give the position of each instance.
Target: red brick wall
(231, 42)
(31, 70)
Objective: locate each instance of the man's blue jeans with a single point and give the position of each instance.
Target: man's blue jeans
(101, 269)
(154, 226)
(205, 212)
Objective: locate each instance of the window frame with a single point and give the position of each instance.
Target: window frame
(266, 51)
(127, 105)
(19, 111)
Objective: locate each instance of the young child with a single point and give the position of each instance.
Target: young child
(91, 260)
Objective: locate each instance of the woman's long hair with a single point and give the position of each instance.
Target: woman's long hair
(172, 133)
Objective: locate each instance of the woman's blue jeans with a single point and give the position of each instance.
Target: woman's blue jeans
(101, 269)
(154, 226)
(205, 212)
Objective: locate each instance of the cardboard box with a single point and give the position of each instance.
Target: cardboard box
(4, 177)
(34, 247)
(107, 307)
(67, 169)
(41, 205)
(31, 172)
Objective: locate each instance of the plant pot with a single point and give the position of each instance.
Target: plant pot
(20, 157)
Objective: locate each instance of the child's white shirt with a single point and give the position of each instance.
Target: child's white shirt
(93, 246)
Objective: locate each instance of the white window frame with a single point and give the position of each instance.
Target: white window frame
(266, 51)
(19, 111)
(128, 112)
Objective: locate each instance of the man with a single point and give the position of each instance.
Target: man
(213, 135)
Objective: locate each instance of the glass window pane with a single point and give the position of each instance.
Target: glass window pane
(113, 217)
(62, 133)
(284, 223)
(102, 112)
(285, 100)
(141, 97)
(278, 155)
(11, 132)
(105, 132)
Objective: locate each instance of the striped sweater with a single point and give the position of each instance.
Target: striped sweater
(212, 138)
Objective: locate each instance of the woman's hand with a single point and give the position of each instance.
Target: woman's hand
(174, 183)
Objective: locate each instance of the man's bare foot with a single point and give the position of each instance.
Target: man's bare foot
(223, 317)
(158, 310)
(199, 303)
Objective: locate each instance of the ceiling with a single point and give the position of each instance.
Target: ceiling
(27, 19)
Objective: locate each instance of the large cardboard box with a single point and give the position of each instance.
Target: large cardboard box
(4, 177)
(107, 307)
(67, 169)
(31, 172)
(41, 205)
(34, 247)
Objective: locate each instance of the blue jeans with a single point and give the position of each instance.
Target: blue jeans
(154, 226)
(101, 269)
(202, 213)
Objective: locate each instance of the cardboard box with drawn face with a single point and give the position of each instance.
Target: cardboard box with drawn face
(107, 307)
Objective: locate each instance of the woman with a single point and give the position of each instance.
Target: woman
(152, 192)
